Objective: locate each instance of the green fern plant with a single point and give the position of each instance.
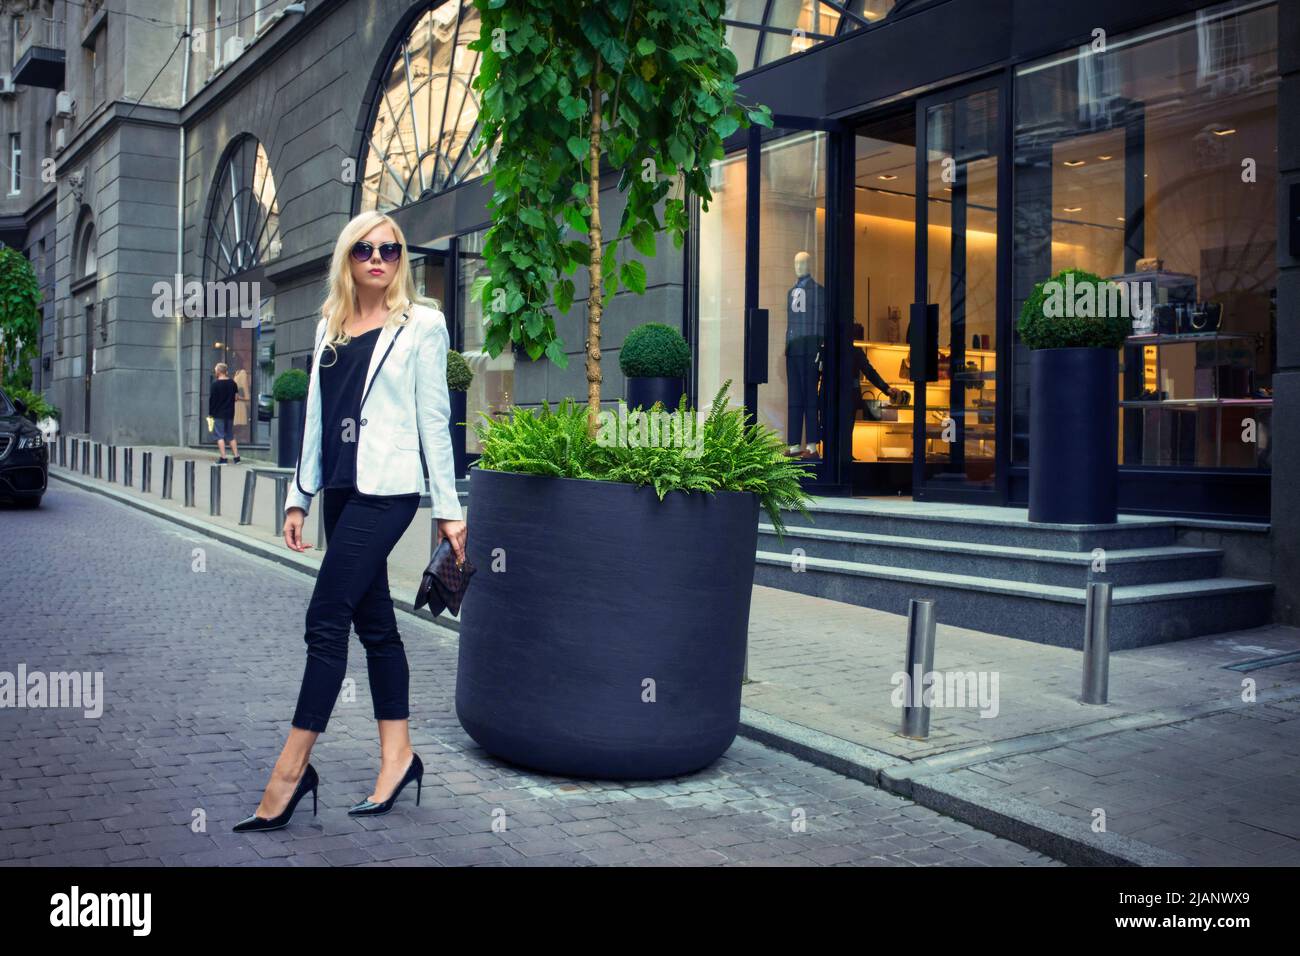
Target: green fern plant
(733, 455)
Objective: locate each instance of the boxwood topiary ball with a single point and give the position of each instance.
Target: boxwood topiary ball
(654, 350)
(459, 376)
(290, 386)
(1049, 318)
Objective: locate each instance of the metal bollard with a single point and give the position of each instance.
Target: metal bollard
(214, 490)
(168, 468)
(128, 466)
(281, 492)
(62, 450)
(72, 455)
(189, 484)
(250, 493)
(1096, 644)
(146, 471)
(920, 662)
(99, 460)
(112, 464)
(85, 457)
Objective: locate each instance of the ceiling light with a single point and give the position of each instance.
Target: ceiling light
(1075, 162)
(1073, 208)
(1103, 158)
(886, 176)
(1223, 132)
(1120, 218)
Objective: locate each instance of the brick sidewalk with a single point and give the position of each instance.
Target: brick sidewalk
(201, 664)
(827, 667)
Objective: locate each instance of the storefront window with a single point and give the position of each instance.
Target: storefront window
(884, 248)
(721, 331)
(1154, 161)
(791, 286)
(247, 347)
(494, 378)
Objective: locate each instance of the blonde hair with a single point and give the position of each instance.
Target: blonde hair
(221, 368)
(341, 301)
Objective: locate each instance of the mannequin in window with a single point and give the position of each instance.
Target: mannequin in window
(805, 321)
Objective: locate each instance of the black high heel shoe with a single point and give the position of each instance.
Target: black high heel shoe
(368, 808)
(309, 781)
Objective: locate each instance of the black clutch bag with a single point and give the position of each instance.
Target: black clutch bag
(444, 582)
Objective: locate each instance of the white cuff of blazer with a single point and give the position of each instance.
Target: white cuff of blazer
(433, 416)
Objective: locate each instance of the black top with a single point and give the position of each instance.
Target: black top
(221, 398)
(340, 396)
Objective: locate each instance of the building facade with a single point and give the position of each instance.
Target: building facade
(933, 161)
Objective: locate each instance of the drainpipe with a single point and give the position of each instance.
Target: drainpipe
(180, 230)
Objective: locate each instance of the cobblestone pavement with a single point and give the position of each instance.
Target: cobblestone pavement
(200, 648)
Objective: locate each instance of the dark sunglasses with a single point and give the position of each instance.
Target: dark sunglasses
(388, 251)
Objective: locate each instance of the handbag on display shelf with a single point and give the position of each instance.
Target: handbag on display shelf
(445, 581)
(1203, 317)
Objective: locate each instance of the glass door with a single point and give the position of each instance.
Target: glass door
(792, 289)
(955, 315)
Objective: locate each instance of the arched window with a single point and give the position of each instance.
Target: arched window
(244, 216)
(86, 262)
(424, 115)
(243, 235)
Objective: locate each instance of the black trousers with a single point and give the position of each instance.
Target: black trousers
(352, 589)
(801, 397)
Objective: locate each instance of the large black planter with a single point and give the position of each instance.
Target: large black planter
(604, 589)
(458, 431)
(289, 432)
(1073, 436)
(644, 392)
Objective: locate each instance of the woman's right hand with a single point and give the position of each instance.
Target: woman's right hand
(293, 522)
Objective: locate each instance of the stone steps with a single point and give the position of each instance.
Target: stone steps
(990, 569)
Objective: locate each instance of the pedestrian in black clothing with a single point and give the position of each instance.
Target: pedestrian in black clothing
(221, 406)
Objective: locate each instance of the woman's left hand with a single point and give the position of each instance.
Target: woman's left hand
(455, 532)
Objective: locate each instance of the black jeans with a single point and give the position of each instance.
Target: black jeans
(352, 588)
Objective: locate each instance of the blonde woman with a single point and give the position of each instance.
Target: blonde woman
(379, 394)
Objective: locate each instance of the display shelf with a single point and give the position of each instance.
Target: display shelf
(1188, 400)
(1161, 338)
(1194, 402)
(891, 439)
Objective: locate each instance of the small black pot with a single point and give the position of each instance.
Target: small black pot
(644, 392)
(588, 591)
(1073, 436)
(289, 432)
(458, 431)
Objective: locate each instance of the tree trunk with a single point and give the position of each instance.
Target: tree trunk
(595, 293)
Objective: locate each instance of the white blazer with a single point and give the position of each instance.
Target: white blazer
(404, 405)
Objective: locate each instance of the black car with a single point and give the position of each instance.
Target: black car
(24, 456)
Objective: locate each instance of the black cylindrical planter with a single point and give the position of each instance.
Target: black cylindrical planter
(1073, 436)
(458, 431)
(598, 645)
(644, 392)
(289, 435)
